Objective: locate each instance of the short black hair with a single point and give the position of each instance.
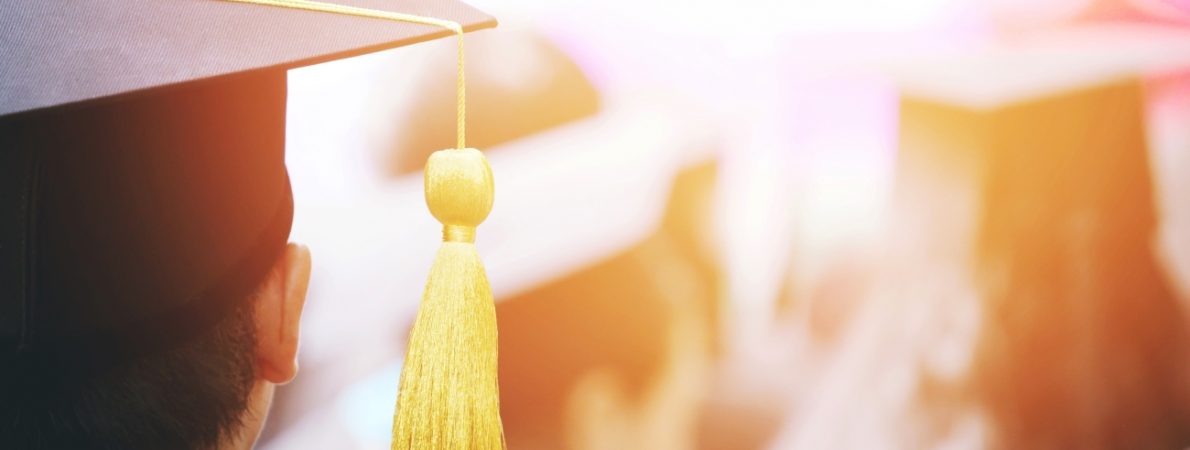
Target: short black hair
(192, 396)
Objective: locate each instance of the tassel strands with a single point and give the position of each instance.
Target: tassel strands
(449, 396)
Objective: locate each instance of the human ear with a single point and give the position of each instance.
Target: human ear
(278, 315)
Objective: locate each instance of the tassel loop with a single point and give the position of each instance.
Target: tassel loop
(458, 233)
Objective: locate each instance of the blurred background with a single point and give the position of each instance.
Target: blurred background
(771, 224)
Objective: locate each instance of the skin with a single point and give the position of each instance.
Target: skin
(278, 314)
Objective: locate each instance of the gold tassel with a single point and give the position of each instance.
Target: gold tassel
(449, 396)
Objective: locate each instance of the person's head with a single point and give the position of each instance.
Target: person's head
(209, 392)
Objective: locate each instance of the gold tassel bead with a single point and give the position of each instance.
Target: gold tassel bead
(459, 187)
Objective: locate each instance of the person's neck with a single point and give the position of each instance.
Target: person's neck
(253, 419)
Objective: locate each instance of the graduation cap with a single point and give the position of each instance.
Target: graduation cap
(143, 190)
(1044, 173)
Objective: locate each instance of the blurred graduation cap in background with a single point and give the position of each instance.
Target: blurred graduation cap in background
(143, 187)
(1040, 179)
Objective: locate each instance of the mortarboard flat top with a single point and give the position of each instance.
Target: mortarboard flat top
(143, 187)
(58, 53)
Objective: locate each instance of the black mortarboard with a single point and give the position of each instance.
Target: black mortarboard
(143, 189)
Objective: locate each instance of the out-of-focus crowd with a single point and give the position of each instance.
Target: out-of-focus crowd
(943, 224)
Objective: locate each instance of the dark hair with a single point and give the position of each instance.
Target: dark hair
(189, 397)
